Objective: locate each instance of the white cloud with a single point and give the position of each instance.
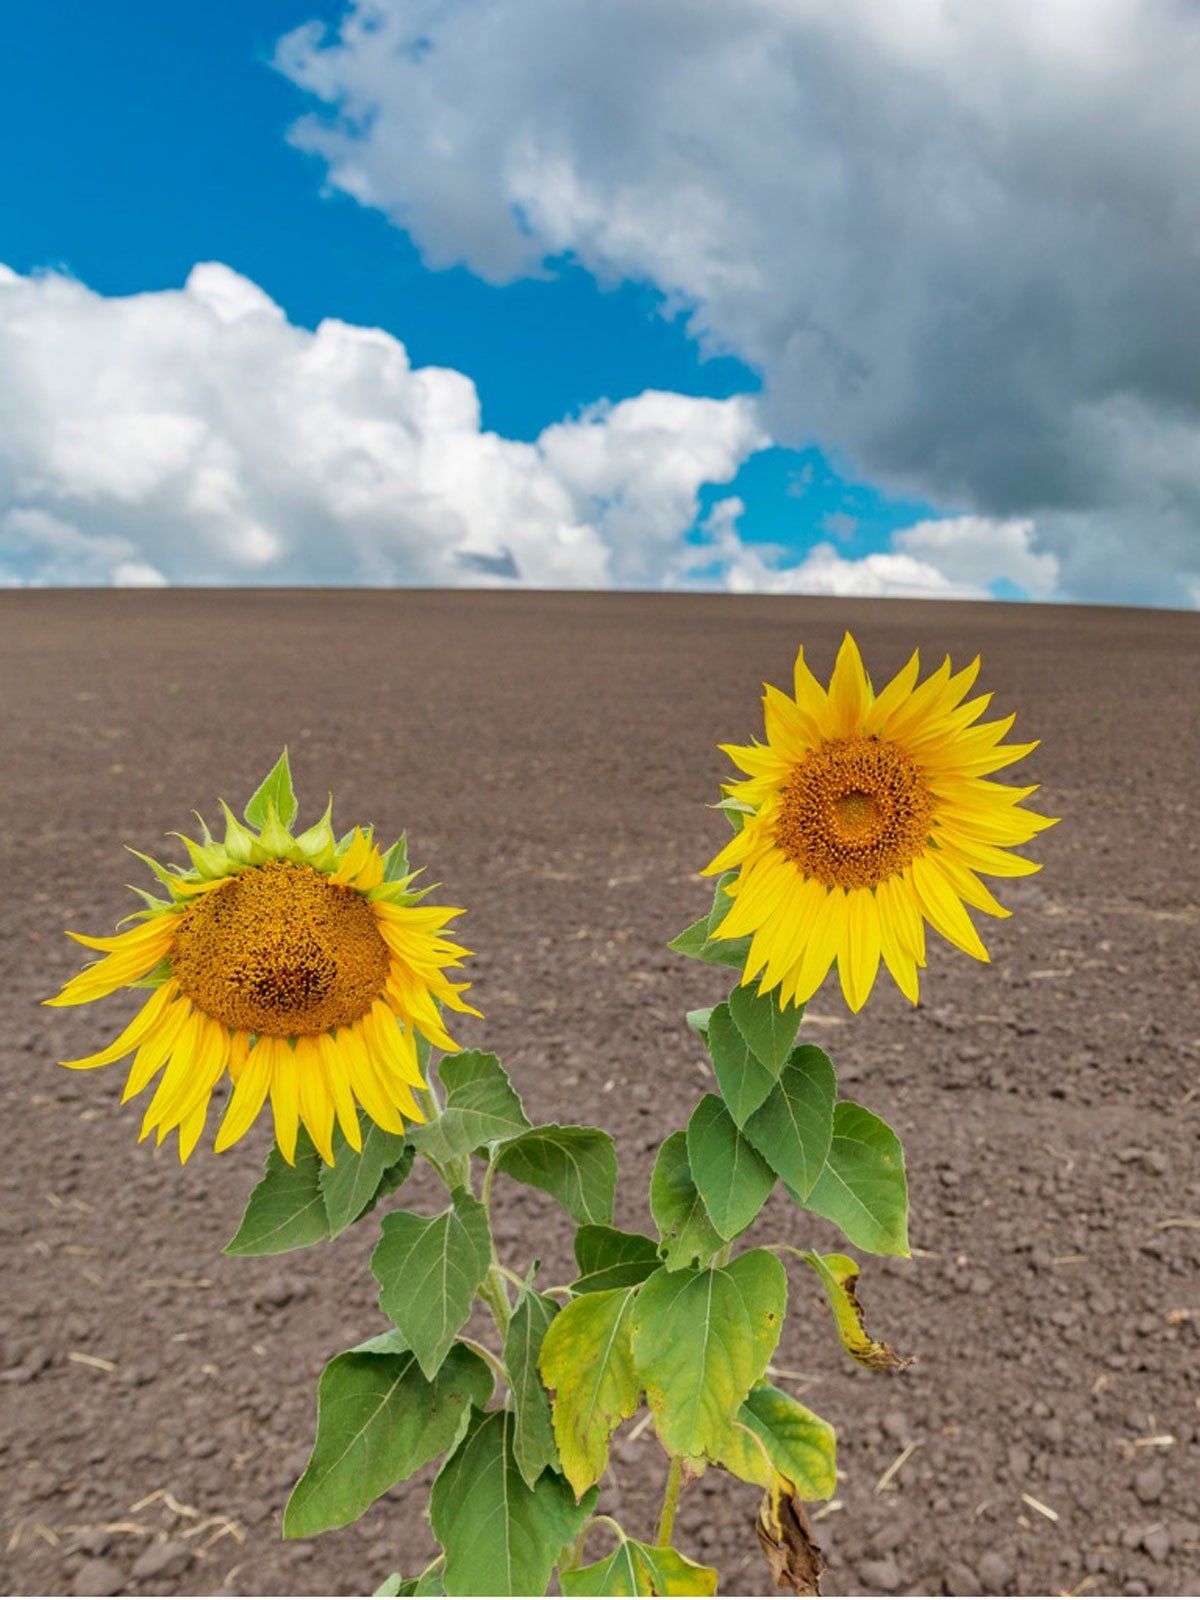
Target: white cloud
(952, 558)
(961, 240)
(195, 436)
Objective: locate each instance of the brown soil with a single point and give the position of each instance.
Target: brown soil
(551, 756)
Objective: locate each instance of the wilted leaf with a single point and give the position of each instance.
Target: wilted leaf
(587, 1362)
(839, 1275)
(792, 1553)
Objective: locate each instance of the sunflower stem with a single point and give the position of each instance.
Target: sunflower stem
(666, 1517)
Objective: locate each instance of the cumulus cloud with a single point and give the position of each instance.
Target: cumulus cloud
(961, 241)
(196, 436)
(950, 558)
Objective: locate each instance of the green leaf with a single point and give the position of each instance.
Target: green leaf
(635, 1568)
(378, 1422)
(429, 1270)
(500, 1536)
(610, 1259)
(684, 1226)
(769, 1030)
(745, 1082)
(699, 1020)
(695, 942)
(839, 1275)
(394, 1585)
(733, 1179)
(352, 1185)
(862, 1187)
(701, 1339)
(276, 788)
(577, 1166)
(789, 1440)
(793, 1128)
(533, 1435)
(430, 1582)
(588, 1364)
(481, 1108)
(285, 1209)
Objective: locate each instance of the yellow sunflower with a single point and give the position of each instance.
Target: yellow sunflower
(304, 967)
(863, 817)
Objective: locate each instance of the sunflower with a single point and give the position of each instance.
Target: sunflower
(863, 817)
(304, 967)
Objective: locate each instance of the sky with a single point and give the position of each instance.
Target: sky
(769, 297)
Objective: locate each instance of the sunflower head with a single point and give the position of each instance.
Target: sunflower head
(303, 966)
(861, 818)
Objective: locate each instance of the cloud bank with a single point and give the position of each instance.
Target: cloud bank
(195, 436)
(960, 240)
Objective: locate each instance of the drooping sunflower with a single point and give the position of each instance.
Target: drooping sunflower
(863, 817)
(304, 967)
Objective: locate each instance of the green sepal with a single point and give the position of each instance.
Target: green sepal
(500, 1536)
(685, 1228)
(274, 838)
(839, 1278)
(379, 1420)
(576, 1166)
(395, 861)
(163, 874)
(735, 812)
(608, 1258)
(701, 1340)
(208, 860)
(285, 1209)
(240, 845)
(429, 1270)
(317, 845)
(635, 1568)
(275, 790)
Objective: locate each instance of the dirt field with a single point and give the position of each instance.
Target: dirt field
(551, 756)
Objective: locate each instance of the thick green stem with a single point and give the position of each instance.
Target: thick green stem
(666, 1517)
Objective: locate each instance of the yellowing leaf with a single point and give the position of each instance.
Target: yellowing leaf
(587, 1361)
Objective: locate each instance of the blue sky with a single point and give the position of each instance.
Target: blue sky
(153, 137)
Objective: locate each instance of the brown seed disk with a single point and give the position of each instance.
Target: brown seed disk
(280, 950)
(854, 812)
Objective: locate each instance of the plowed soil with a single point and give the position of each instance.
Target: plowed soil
(551, 757)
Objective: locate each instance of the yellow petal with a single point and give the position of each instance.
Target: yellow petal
(246, 1101)
(285, 1100)
(339, 1087)
(944, 909)
(316, 1103)
(146, 1020)
(893, 695)
(155, 1048)
(811, 697)
(858, 960)
(828, 937)
(849, 691)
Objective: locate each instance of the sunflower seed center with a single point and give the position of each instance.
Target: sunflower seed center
(280, 950)
(854, 812)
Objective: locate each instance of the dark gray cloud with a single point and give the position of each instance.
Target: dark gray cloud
(961, 240)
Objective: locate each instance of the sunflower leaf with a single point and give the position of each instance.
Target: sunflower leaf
(587, 1362)
(379, 1420)
(500, 1536)
(701, 1339)
(610, 1259)
(276, 788)
(767, 1027)
(687, 1236)
(793, 1128)
(285, 1209)
(356, 1180)
(429, 1270)
(533, 1436)
(788, 1440)
(862, 1187)
(745, 1081)
(576, 1166)
(839, 1277)
(482, 1107)
(733, 1179)
(698, 942)
(635, 1568)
